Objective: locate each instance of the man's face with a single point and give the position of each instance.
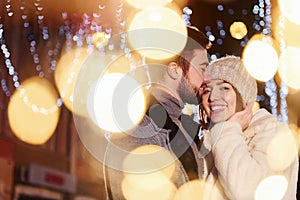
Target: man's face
(190, 85)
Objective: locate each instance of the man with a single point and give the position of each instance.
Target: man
(164, 125)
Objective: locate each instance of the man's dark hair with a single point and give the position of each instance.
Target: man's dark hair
(196, 40)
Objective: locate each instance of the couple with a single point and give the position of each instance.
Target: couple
(237, 150)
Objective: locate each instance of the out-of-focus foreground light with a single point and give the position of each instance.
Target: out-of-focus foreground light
(141, 4)
(147, 173)
(255, 107)
(197, 189)
(66, 73)
(100, 39)
(148, 186)
(289, 66)
(148, 159)
(296, 132)
(117, 102)
(286, 32)
(282, 150)
(260, 57)
(291, 10)
(238, 30)
(273, 187)
(152, 32)
(33, 113)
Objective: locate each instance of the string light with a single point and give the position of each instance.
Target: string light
(265, 16)
(284, 88)
(187, 15)
(14, 74)
(7, 60)
(15, 79)
(283, 92)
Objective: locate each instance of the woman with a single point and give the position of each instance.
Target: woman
(245, 150)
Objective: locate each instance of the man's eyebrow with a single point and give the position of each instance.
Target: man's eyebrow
(204, 63)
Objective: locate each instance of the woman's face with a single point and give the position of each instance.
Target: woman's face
(219, 100)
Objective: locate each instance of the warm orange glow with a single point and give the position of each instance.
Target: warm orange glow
(289, 66)
(141, 4)
(282, 150)
(152, 33)
(148, 187)
(100, 39)
(149, 159)
(273, 187)
(255, 107)
(291, 10)
(93, 67)
(286, 32)
(296, 132)
(260, 57)
(66, 73)
(33, 113)
(197, 189)
(238, 30)
(124, 64)
(117, 102)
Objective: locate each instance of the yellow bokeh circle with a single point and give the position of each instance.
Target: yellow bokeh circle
(33, 112)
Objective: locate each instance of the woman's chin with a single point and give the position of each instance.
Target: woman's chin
(217, 118)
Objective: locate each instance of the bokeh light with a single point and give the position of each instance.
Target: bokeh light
(66, 73)
(255, 107)
(289, 66)
(260, 57)
(148, 186)
(291, 10)
(282, 150)
(238, 30)
(100, 39)
(141, 4)
(197, 189)
(273, 187)
(296, 132)
(118, 102)
(148, 159)
(95, 66)
(152, 33)
(33, 112)
(286, 32)
(122, 63)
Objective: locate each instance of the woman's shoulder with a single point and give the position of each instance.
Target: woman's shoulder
(262, 121)
(263, 115)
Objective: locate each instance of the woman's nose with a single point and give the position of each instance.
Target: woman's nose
(215, 94)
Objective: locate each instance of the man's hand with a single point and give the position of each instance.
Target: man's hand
(243, 117)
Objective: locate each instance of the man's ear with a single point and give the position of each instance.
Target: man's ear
(173, 70)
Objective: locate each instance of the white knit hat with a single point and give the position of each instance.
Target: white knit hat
(232, 70)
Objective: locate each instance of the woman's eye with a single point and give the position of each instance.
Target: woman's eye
(224, 88)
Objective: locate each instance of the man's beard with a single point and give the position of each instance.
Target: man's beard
(187, 93)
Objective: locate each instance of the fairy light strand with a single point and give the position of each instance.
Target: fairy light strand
(284, 88)
(12, 72)
(264, 12)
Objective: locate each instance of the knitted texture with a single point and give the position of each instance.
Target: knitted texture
(232, 70)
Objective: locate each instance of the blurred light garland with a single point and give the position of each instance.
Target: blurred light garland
(284, 88)
(17, 85)
(187, 15)
(270, 86)
(52, 53)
